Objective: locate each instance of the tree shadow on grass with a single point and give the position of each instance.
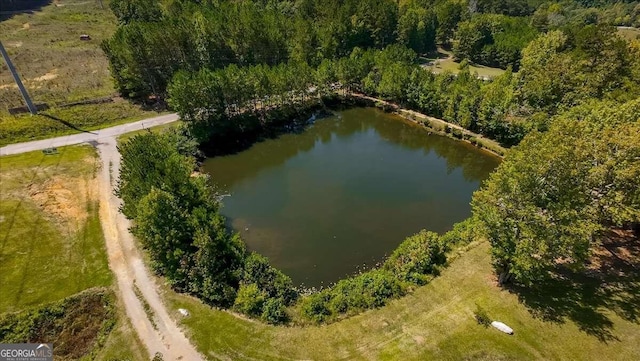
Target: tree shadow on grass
(611, 283)
(10, 8)
(66, 123)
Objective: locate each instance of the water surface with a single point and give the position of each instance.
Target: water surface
(346, 191)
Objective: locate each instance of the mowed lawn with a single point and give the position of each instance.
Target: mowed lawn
(436, 322)
(51, 243)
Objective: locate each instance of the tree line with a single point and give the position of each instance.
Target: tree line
(156, 39)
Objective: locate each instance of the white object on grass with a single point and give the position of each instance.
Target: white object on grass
(502, 327)
(183, 312)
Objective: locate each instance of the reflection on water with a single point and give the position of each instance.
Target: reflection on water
(346, 192)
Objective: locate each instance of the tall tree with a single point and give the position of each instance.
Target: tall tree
(539, 212)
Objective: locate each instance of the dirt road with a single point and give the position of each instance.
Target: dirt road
(87, 137)
(125, 260)
(127, 265)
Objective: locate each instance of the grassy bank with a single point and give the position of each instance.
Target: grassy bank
(435, 322)
(51, 239)
(629, 33)
(438, 126)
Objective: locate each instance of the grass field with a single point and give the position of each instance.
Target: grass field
(63, 121)
(51, 243)
(442, 61)
(57, 67)
(629, 33)
(156, 129)
(46, 49)
(436, 322)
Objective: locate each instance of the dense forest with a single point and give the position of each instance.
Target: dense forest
(568, 104)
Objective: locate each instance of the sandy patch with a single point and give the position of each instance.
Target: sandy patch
(26, 26)
(8, 86)
(48, 76)
(65, 199)
(15, 44)
(418, 339)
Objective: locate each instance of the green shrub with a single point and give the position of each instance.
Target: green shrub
(447, 128)
(462, 233)
(78, 325)
(417, 258)
(271, 280)
(274, 311)
(481, 316)
(457, 133)
(352, 295)
(151, 161)
(315, 307)
(249, 300)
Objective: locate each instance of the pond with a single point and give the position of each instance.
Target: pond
(342, 194)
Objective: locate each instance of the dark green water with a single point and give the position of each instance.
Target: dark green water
(346, 191)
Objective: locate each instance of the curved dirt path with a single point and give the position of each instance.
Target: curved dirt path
(124, 258)
(127, 265)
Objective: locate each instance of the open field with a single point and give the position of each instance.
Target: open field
(435, 322)
(46, 49)
(442, 61)
(57, 67)
(51, 242)
(63, 121)
(629, 33)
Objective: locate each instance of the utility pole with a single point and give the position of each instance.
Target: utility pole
(16, 77)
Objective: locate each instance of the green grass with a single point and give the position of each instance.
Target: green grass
(156, 129)
(48, 42)
(63, 121)
(123, 343)
(629, 34)
(51, 243)
(57, 67)
(436, 322)
(443, 61)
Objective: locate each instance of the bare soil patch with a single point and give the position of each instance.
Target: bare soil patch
(618, 253)
(64, 199)
(48, 76)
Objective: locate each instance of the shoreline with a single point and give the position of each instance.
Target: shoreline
(438, 126)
